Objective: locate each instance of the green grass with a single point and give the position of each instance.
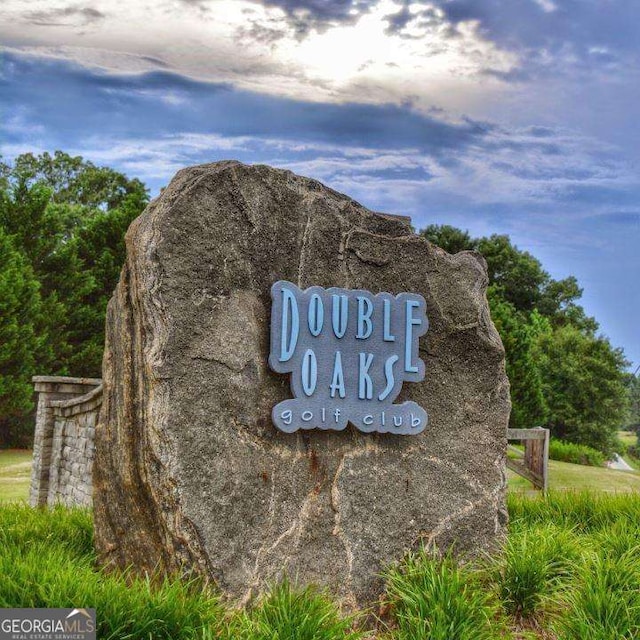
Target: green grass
(47, 560)
(565, 476)
(604, 604)
(436, 598)
(537, 561)
(15, 474)
(594, 595)
(583, 512)
(569, 570)
(627, 438)
(295, 614)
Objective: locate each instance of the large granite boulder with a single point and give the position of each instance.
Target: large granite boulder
(190, 473)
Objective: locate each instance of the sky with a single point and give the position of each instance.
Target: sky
(515, 117)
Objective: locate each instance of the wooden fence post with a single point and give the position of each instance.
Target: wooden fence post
(534, 466)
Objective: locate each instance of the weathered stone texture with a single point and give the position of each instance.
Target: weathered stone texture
(191, 474)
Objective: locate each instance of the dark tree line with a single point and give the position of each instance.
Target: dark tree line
(62, 225)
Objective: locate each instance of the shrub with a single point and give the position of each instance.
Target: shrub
(634, 451)
(606, 603)
(295, 614)
(534, 563)
(575, 453)
(47, 560)
(22, 527)
(584, 512)
(570, 569)
(434, 598)
(619, 539)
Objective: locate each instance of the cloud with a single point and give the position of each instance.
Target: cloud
(565, 195)
(131, 101)
(518, 117)
(341, 51)
(64, 16)
(548, 34)
(306, 15)
(152, 123)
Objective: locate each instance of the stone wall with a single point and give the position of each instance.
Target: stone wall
(66, 416)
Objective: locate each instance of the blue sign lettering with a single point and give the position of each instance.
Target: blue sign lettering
(348, 353)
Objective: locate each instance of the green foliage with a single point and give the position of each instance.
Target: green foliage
(75, 181)
(536, 562)
(22, 527)
(584, 386)
(605, 605)
(21, 339)
(435, 598)
(47, 560)
(563, 376)
(516, 274)
(633, 387)
(296, 614)
(584, 512)
(597, 597)
(449, 238)
(67, 219)
(19, 310)
(570, 569)
(520, 334)
(575, 453)
(617, 540)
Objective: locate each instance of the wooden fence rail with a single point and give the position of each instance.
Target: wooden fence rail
(535, 458)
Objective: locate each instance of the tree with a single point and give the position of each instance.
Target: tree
(99, 243)
(562, 374)
(449, 238)
(584, 386)
(633, 389)
(20, 342)
(518, 276)
(67, 219)
(520, 336)
(73, 180)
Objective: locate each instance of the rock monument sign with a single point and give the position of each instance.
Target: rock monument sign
(214, 456)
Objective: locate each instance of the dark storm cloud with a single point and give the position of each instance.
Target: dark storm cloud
(67, 99)
(64, 16)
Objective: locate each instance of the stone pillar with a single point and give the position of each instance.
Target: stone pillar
(71, 463)
(49, 389)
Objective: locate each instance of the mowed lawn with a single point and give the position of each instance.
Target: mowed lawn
(577, 477)
(15, 474)
(15, 477)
